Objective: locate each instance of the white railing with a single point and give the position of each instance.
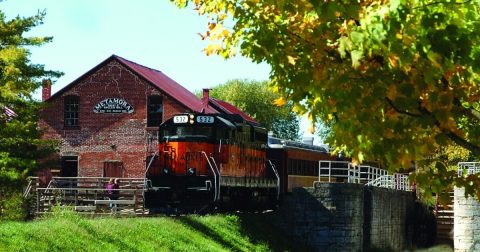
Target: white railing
(336, 171)
(344, 171)
(396, 181)
(369, 173)
(467, 168)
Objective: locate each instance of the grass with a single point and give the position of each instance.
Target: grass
(67, 231)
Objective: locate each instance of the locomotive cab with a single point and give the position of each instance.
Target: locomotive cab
(211, 159)
(185, 171)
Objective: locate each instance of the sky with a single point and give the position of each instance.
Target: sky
(153, 33)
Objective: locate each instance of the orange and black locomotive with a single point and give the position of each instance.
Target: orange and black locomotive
(211, 160)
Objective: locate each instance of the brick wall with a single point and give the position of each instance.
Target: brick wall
(105, 137)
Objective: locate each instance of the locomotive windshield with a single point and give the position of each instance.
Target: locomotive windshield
(187, 131)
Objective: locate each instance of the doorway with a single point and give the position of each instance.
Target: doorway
(69, 166)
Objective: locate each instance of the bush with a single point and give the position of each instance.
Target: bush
(12, 206)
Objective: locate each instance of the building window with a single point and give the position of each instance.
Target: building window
(71, 111)
(155, 111)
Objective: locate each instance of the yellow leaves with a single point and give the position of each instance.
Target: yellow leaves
(218, 32)
(299, 109)
(393, 60)
(181, 3)
(435, 59)
(405, 159)
(311, 128)
(310, 117)
(291, 60)
(280, 101)
(212, 49)
(330, 117)
(211, 25)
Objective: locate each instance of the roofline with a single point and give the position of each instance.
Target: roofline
(217, 106)
(148, 81)
(101, 64)
(83, 76)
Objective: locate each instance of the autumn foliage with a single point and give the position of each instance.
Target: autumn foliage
(396, 79)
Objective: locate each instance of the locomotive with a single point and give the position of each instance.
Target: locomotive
(211, 159)
(223, 160)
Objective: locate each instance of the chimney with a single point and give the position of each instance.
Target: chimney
(205, 97)
(46, 89)
(308, 140)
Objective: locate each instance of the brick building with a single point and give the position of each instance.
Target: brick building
(107, 119)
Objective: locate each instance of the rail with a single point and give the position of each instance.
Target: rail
(32, 182)
(336, 171)
(278, 178)
(214, 175)
(150, 164)
(219, 177)
(467, 168)
(368, 173)
(87, 199)
(344, 171)
(396, 181)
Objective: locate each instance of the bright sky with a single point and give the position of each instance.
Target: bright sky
(154, 33)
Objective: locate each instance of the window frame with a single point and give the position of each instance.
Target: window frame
(113, 169)
(153, 120)
(71, 111)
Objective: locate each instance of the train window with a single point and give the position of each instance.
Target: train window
(188, 131)
(184, 131)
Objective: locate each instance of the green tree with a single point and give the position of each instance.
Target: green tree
(21, 145)
(398, 78)
(255, 99)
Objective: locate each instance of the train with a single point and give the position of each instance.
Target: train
(226, 162)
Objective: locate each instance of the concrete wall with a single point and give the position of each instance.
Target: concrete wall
(466, 232)
(348, 217)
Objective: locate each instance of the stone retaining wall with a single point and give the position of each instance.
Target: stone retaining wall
(348, 217)
(466, 233)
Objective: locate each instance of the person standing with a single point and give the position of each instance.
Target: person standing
(112, 192)
(109, 188)
(116, 190)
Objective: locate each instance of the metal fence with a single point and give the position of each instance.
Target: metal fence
(88, 194)
(467, 168)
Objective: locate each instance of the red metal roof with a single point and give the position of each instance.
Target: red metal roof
(166, 84)
(228, 108)
(156, 78)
